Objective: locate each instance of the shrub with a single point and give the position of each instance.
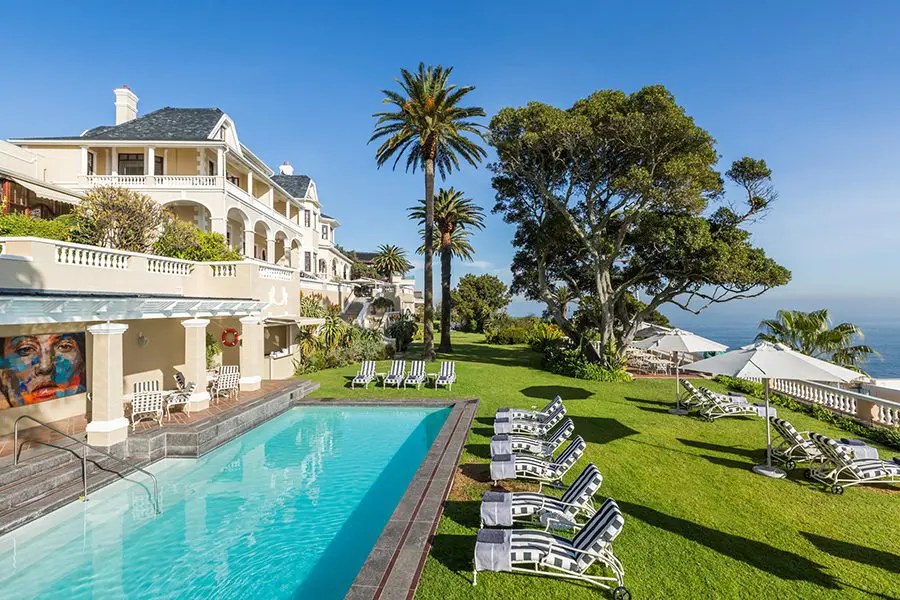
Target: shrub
(180, 239)
(543, 334)
(879, 435)
(403, 330)
(563, 359)
(118, 218)
(59, 228)
(357, 345)
(312, 306)
(503, 329)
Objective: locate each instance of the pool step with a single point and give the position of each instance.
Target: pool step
(41, 492)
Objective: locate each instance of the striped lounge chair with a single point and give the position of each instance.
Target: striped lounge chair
(691, 397)
(549, 471)
(533, 445)
(447, 376)
(543, 553)
(577, 500)
(416, 375)
(180, 398)
(840, 470)
(534, 415)
(396, 374)
(366, 374)
(719, 407)
(540, 427)
(790, 447)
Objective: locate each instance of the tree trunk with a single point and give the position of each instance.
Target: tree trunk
(446, 257)
(428, 331)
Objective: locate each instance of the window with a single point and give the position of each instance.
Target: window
(306, 218)
(90, 157)
(211, 167)
(131, 164)
(323, 266)
(324, 232)
(157, 165)
(307, 261)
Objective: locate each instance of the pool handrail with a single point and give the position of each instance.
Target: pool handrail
(84, 451)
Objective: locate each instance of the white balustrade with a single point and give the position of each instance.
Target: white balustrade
(224, 269)
(188, 181)
(865, 407)
(90, 256)
(117, 180)
(277, 273)
(169, 266)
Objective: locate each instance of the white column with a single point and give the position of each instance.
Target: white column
(195, 361)
(250, 182)
(251, 354)
(108, 424)
(113, 161)
(217, 225)
(149, 160)
(249, 242)
(270, 250)
(84, 160)
(220, 162)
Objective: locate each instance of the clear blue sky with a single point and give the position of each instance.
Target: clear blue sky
(812, 87)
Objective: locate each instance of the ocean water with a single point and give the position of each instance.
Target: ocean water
(290, 509)
(883, 334)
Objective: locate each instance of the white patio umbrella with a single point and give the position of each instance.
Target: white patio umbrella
(767, 361)
(679, 341)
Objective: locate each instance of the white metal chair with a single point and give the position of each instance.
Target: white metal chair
(149, 385)
(146, 404)
(227, 385)
(549, 471)
(790, 447)
(179, 398)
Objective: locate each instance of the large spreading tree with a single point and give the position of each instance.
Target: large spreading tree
(427, 125)
(611, 198)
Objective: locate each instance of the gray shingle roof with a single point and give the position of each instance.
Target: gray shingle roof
(295, 185)
(176, 124)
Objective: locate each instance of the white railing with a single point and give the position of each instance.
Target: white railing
(277, 273)
(180, 181)
(866, 408)
(169, 266)
(90, 256)
(119, 180)
(224, 269)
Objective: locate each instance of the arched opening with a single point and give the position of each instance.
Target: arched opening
(236, 226)
(192, 212)
(295, 253)
(334, 268)
(261, 241)
(280, 257)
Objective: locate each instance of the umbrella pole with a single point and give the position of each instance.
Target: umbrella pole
(677, 410)
(767, 469)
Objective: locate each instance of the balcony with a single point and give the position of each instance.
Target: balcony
(168, 188)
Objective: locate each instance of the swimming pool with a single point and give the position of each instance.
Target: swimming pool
(290, 509)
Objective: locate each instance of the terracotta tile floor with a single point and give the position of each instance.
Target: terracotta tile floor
(37, 437)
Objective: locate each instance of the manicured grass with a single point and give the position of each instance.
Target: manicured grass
(699, 523)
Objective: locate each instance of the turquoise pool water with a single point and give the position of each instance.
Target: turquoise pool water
(290, 509)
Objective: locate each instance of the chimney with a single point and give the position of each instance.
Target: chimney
(286, 168)
(126, 105)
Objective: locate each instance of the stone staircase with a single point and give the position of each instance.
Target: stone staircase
(353, 309)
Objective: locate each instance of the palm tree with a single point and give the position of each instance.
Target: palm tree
(453, 216)
(390, 260)
(430, 128)
(563, 296)
(811, 333)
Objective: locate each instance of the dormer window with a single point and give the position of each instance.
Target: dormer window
(325, 232)
(307, 218)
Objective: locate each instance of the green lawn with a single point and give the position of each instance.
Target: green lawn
(699, 523)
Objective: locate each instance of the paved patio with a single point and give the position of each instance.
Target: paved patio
(36, 438)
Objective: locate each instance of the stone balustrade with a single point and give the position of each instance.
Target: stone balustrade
(867, 408)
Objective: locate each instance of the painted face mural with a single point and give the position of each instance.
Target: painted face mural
(37, 368)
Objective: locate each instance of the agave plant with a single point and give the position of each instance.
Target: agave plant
(333, 331)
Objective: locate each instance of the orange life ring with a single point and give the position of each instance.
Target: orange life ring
(230, 337)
